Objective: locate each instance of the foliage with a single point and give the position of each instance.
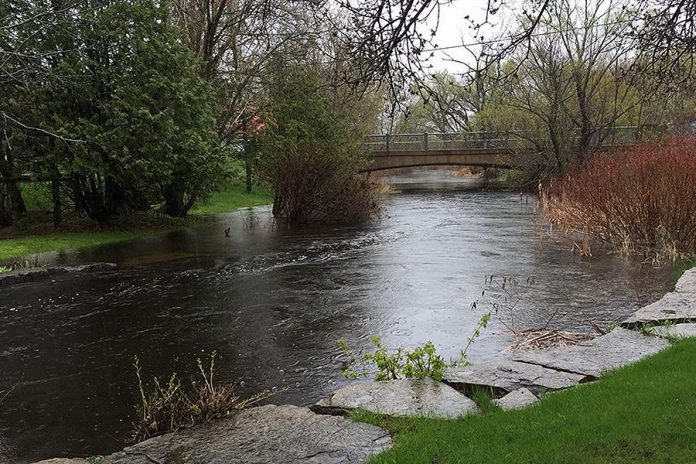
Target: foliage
(169, 406)
(419, 363)
(312, 149)
(587, 424)
(444, 105)
(122, 120)
(638, 199)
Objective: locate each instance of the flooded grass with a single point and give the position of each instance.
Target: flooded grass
(232, 198)
(639, 199)
(639, 414)
(35, 234)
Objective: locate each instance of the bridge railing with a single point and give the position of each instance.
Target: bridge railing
(461, 141)
(437, 141)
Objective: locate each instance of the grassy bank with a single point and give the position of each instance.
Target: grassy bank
(35, 234)
(640, 414)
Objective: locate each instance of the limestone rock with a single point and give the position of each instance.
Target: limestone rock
(266, 434)
(64, 461)
(91, 267)
(615, 349)
(687, 282)
(676, 330)
(517, 399)
(413, 397)
(506, 376)
(673, 307)
(31, 275)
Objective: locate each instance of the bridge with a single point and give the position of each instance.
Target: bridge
(476, 149)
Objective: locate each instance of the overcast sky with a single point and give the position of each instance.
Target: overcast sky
(454, 30)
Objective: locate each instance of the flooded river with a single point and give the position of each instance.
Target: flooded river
(274, 301)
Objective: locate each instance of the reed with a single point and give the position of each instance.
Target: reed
(639, 199)
(168, 406)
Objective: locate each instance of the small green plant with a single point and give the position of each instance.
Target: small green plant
(4, 269)
(419, 363)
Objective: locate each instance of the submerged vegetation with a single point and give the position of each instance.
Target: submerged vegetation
(638, 414)
(639, 199)
(168, 405)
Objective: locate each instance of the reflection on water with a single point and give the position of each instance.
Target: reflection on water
(273, 302)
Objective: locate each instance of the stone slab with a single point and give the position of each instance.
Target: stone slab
(687, 282)
(676, 331)
(63, 461)
(413, 397)
(517, 399)
(615, 349)
(266, 434)
(673, 307)
(32, 275)
(91, 267)
(506, 376)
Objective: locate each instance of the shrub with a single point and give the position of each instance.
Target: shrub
(312, 147)
(317, 185)
(639, 199)
(419, 363)
(168, 406)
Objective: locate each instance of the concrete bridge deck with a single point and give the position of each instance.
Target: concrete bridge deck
(481, 149)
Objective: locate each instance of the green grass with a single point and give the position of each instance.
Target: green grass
(645, 413)
(18, 247)
(231, 198)
(682, 266)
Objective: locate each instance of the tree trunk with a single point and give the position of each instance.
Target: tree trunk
(174, 199)
(16, 200)
(14, 193)
(249, 180)
(5, 215)
(57, 208)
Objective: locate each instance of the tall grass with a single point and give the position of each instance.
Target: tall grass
(168, 406)
(640, 199)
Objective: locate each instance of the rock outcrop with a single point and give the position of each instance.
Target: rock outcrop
(618, 348)
(414, 397)
(503, 377)
(517, 399)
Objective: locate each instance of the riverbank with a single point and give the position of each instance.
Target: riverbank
(35, 233)
(637, 408)
(640, 413)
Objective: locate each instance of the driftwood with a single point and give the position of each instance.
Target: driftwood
(535, 339)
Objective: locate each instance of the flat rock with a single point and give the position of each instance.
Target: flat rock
(676, 330)
(517, 399)
(615, 349)
(673, 307)
(687, 282)
(266, 434)
(412, 397)
(91, 267)
(31, 275)
(506, 376)
(64, 461)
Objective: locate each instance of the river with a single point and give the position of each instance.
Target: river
(273, 302)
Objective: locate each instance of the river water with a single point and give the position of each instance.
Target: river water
(273, 302)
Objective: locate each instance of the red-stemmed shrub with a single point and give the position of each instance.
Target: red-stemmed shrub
(640, 198)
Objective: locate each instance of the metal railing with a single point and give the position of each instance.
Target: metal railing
(464, 141)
